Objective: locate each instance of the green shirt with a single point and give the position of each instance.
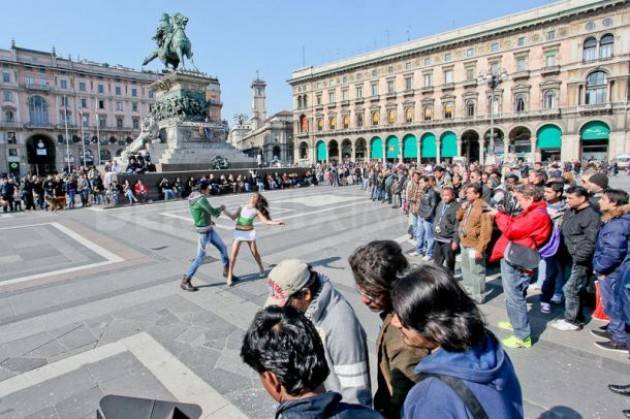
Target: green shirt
(201, 210)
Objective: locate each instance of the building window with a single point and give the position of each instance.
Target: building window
(550, 59)
(102, 121)
(408, 65)
(331, 97)
(494, 68)
(408, 83)
(521, 63)
(448, 76)
(520, 103)
(101, 104)
(118, 91)
(332, 122)
(409, 115)
(607, 22)
(374, 89)
(65, 101)
(6, 77)
(83, 103)
(11, 138)
(136, 123)
(520, 41)
(65, 117)
(63, 83)
(134, 106)
(29, 80)
(134, 92)
(470, 74)
(606, 46)
(13, 152)
(82, 86)
(448, 110)
(590, 26)
(470, 52)
(496, 105)
(151, 94)
(359, 92)
(589, 51)
(119, 122)
(447, 57)
(119, 106)
(8, 96)
(551, 35)
(344, 94)
(375, 118)
(549, 100)
(38, 110)
(8, 116)
(320, 124)
(346, 121)
(85, 120)
(318, 99)
(391, 116)
(596, 88)
(494, 47)
(101, 89)
(360, 119)
(427, 112)
(470, 108)
(390, 87)
(428, 80)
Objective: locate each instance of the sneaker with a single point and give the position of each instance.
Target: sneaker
(503, 325)
(602, 334)
(564, 326)
(556, 299)
(416, 254)
(612, 346)
(545, 308)
(427, 258)
(514, 343)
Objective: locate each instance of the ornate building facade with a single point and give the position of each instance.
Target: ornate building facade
(40, 92)
(548, 83)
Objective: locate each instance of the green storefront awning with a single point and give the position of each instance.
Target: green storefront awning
(448, 146)
(595, 130)
(428, 148)
(321, 151)
(549, 137)
(410, 147)
(376, 148)
(393, 148)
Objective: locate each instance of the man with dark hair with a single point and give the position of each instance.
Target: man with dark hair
(611, 250)
(424, 226)
(202, 213)
(445, 230)
(375, 267)
(595, 183)
(294, 283)
(467, 374)
(579, 232)
(530, 229)
(283, 347)
(475, 177)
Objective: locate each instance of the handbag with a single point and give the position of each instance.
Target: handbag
(521, 257)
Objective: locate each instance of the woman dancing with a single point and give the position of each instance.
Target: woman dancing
(244, 231)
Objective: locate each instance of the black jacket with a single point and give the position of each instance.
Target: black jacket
(428, 203)
(445, 225)
(325, 405)
(579, 232)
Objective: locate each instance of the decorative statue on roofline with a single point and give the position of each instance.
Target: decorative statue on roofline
(172, 43)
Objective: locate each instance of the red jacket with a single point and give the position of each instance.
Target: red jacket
(530, 228)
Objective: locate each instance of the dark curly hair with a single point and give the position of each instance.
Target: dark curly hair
(282, 341)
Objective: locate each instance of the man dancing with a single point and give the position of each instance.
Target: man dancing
(202, 213)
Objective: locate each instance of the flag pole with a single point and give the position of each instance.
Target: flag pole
(83, 141)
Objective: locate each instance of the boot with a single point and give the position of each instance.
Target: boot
(186, 285)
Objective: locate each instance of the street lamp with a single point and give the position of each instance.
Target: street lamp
(494, 78)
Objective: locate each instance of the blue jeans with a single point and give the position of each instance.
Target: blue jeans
(515, 285)
(424, 236)
(609, 288)
(555, 275)
(211, 236)
(168, 194)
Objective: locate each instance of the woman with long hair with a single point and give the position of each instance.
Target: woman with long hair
(244, 231)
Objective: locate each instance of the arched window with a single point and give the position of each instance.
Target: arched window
(375, 118)
(470, 108)
(596, 88)
(428, 113)
(590, 49)
(305, 101)
(606, 46)
(409, 115)
(391, 116)
(346, 121)
(299, 102)
(448, 110)
(303, 123)
(360, 119)
(320, 124)
(549, 100)
(332, 122)
(38, 110)
(520, 103)
(8, 116)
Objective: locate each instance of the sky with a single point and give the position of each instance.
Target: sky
(233, 39)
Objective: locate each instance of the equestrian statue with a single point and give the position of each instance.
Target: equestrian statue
(172, 43)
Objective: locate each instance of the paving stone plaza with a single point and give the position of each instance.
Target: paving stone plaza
(90, 305)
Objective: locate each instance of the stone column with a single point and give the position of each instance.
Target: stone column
(438, 144)
(459, 147)
(400, 150)
(534, 152)
(570, 147)
(419, 150)
(482, 151)
(384, 150)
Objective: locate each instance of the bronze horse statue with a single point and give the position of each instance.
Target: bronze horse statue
(173, 44)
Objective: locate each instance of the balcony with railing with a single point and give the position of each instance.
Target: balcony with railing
(36, 87)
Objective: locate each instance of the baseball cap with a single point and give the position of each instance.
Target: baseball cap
(287, 278)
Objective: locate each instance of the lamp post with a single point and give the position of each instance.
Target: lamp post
(65, 121)
(494, 78)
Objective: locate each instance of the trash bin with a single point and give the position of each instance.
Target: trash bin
(123, 407)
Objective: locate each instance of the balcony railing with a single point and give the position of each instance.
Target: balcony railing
(36, 86)
(10, 124)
